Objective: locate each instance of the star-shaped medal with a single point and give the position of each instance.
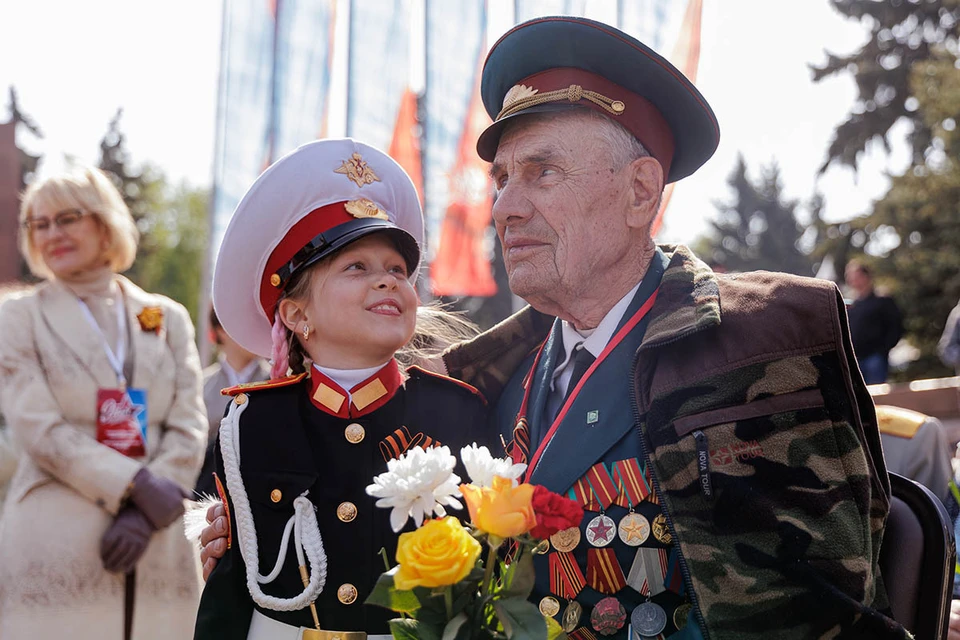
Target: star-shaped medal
(601, 531)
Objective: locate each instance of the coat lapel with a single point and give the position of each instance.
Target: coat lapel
(63, 316)
(146, 347)
(540, 386)
(602, 413)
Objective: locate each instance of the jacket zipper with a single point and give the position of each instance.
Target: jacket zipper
(684, 569)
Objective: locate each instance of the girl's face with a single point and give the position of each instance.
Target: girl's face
(362, 308)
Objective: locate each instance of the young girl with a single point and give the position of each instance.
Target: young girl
(316, 270)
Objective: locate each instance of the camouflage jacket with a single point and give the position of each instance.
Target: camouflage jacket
(764, 446)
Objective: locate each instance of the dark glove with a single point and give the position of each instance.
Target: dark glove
(160, 500)
(125, 540)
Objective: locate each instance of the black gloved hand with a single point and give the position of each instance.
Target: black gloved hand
(124, 542)
(160, 500)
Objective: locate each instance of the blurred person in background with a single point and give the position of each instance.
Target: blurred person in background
(915, 446)
(8, 452)
(235, 365)
(100, 387)
(949, 346)
(875, 324)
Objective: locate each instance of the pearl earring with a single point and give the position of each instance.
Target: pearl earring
(306, 332)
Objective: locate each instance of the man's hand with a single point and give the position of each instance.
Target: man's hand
(953, 633)
(214, 539)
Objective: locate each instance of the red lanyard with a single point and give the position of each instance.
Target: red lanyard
(616, 340)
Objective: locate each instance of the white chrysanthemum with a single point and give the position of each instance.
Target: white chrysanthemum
(417, 484)
(482, 467)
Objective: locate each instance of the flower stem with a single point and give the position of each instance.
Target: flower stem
(448, 601)
(488, 570)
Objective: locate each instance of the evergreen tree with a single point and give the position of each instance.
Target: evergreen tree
(903, 34)
(911, 236)
(758, 228)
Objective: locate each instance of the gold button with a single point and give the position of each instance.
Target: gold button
(347, 511)
(354, 433)
(276, 495)
(241, 399)
(347, 593)
(275, 280)
(617, 106)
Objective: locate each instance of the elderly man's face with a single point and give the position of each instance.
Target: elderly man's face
(560, 210)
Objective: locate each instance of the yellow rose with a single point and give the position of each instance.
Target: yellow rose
(439, 553)
(503, 511)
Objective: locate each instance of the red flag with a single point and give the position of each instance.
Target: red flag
(405, 144)
(686, 58)
(462, 266)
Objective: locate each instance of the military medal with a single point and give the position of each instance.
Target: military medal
(566, 540)
(634, 529)
(549, 606)
(601, 531)
(608, 616)
(660, 530)
(571, 616)
(648, 619)
(542, 547)
(680, 615)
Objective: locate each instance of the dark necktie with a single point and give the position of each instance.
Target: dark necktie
(582, 359)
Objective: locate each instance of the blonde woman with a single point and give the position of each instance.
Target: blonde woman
(100, 387)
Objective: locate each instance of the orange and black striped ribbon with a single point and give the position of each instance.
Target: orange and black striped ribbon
(397, 443)
(602, 484)
(566, 579)
(603, 571)
(520, 451)
(632, 486)
(652, 497)
(583, 633)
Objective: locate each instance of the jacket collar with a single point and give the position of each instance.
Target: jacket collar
(688, 300)
(365, 397)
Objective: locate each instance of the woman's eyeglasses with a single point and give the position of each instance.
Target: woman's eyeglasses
(61, 220)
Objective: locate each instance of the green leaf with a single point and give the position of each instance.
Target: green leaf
(554, 630)
(386, 595)
(521, 620)
(520, 578)
(452, 629)
(405, 629)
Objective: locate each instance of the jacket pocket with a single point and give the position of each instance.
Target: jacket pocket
(779, 473)
(276, 490)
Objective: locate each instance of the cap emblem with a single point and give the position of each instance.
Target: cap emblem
(525, 97)
(518, 92)
(364, 208)
(357, 169)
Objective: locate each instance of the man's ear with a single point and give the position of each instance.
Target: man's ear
(646, 191)
(291, 313)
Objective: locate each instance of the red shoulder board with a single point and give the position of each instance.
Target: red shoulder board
(275, 383)
(414, 369)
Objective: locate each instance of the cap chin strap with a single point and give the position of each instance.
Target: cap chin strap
(306, 531)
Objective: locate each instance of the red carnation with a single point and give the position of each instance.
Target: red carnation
(554, 513)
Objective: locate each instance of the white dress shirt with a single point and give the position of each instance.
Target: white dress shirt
(593, 340)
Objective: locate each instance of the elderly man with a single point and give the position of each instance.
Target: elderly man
(728, 461)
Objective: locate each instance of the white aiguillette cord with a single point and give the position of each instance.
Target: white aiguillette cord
(116, 358)
(306, 531)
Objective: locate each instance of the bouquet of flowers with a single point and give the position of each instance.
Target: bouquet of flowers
(442, 586)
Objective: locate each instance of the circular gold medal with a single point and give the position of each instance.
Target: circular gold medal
(634, 529)
(566, 540)
(660, 530)
(571, 617)
(680, 615)
(549, 606)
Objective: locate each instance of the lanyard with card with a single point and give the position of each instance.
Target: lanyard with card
(122, 411)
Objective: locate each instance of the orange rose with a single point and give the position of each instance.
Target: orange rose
(503, 511)
(439, 553)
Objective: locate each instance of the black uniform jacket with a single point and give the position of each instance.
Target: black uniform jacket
(290, 444)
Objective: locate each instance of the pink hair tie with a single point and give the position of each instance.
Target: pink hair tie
(280, 352)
